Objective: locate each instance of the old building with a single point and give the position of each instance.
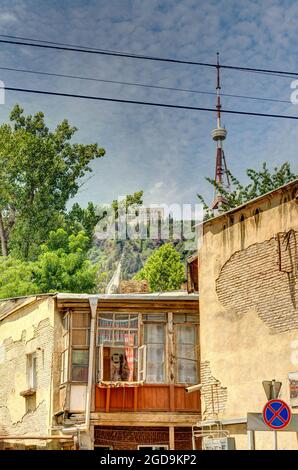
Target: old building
(99, 371)
(248, 267)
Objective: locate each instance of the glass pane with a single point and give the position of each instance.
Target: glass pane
(154, 333)
(134, 321)
(187, 371)
(80, 357)
(186, 351)
(192, 318)
(105, 337)
(121, 321)
(186, 334)
(105, 320)
(155, 363)
(119, 337)
(179, 318)
(79, 374)
(80, 320)
(80, 337)
(155, 317)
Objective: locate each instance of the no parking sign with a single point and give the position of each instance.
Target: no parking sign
(276, 414)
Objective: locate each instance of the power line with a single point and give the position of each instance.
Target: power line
(185, 90)
(85, 49)
(146, 103)
(103, 52)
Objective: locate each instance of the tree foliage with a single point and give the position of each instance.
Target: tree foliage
(63, 266)
(40, 171)
(163, 270)
(16, 278)
(260, 182)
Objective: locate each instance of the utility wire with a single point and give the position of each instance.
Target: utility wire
(185, 90)
(75, 48)
(146, 103)
(103, 52)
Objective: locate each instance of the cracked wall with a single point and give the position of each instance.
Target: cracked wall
(248, 306)
(252, 279)
(24, 332)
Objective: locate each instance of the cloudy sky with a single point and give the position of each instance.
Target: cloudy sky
(165, 152)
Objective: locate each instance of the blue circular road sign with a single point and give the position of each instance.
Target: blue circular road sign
(276, 414)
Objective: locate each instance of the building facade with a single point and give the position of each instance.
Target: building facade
(248, 267)
(106, 371)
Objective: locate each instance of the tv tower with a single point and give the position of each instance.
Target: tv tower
(219, 134)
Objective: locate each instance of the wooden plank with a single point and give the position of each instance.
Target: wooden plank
(145, 419)
(108, 396)
(135, 398)
(172, 438)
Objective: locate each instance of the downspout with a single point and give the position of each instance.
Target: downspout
(84, 427)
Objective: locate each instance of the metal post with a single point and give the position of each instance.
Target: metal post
(274, 432)
(251, 440)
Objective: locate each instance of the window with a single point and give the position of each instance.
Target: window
(80, 337)
(186, 353)
(79, 365)
(150, 447)
(80, 323)
(117, 340)
(64, 354)
(154, 338)
(31, 371)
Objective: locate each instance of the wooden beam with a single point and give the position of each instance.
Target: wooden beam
(145, 419)
(172, 438)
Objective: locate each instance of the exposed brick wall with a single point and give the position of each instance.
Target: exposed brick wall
(128, 438)
(132, 286)
(13, 381)
(213, 394)
(252, 279)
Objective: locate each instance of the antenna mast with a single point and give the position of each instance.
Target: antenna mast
(219, 134)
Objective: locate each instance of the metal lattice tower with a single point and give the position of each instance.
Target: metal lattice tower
(219, 134)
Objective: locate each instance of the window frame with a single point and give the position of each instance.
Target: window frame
(64, 356)
(194, 325)
(164, 323)
(113, 344)
(78, 347)
(31, 371)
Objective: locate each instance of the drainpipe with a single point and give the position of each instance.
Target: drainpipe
(85, 427)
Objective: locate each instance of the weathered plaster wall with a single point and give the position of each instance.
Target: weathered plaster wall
(29, 330)
(248, 308)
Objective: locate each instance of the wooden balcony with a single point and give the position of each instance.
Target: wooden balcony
(148, 397)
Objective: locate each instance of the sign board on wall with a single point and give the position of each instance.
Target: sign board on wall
(293, 380)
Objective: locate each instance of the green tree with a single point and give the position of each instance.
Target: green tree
(163, 270)
(260, 182)
(40, 171)
(63, 264)
(17, 278)
(135, 199)
(78, 219)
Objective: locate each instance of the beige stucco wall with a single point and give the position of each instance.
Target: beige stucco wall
(30, 329)
(249, 339)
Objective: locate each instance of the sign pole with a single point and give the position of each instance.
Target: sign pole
(275, 432)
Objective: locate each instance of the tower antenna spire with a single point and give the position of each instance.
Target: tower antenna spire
(219, 134)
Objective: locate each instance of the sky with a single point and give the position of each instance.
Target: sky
(165, 152)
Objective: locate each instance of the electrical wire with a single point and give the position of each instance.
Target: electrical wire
(146, 103)
(74, 48)
(145, 85)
